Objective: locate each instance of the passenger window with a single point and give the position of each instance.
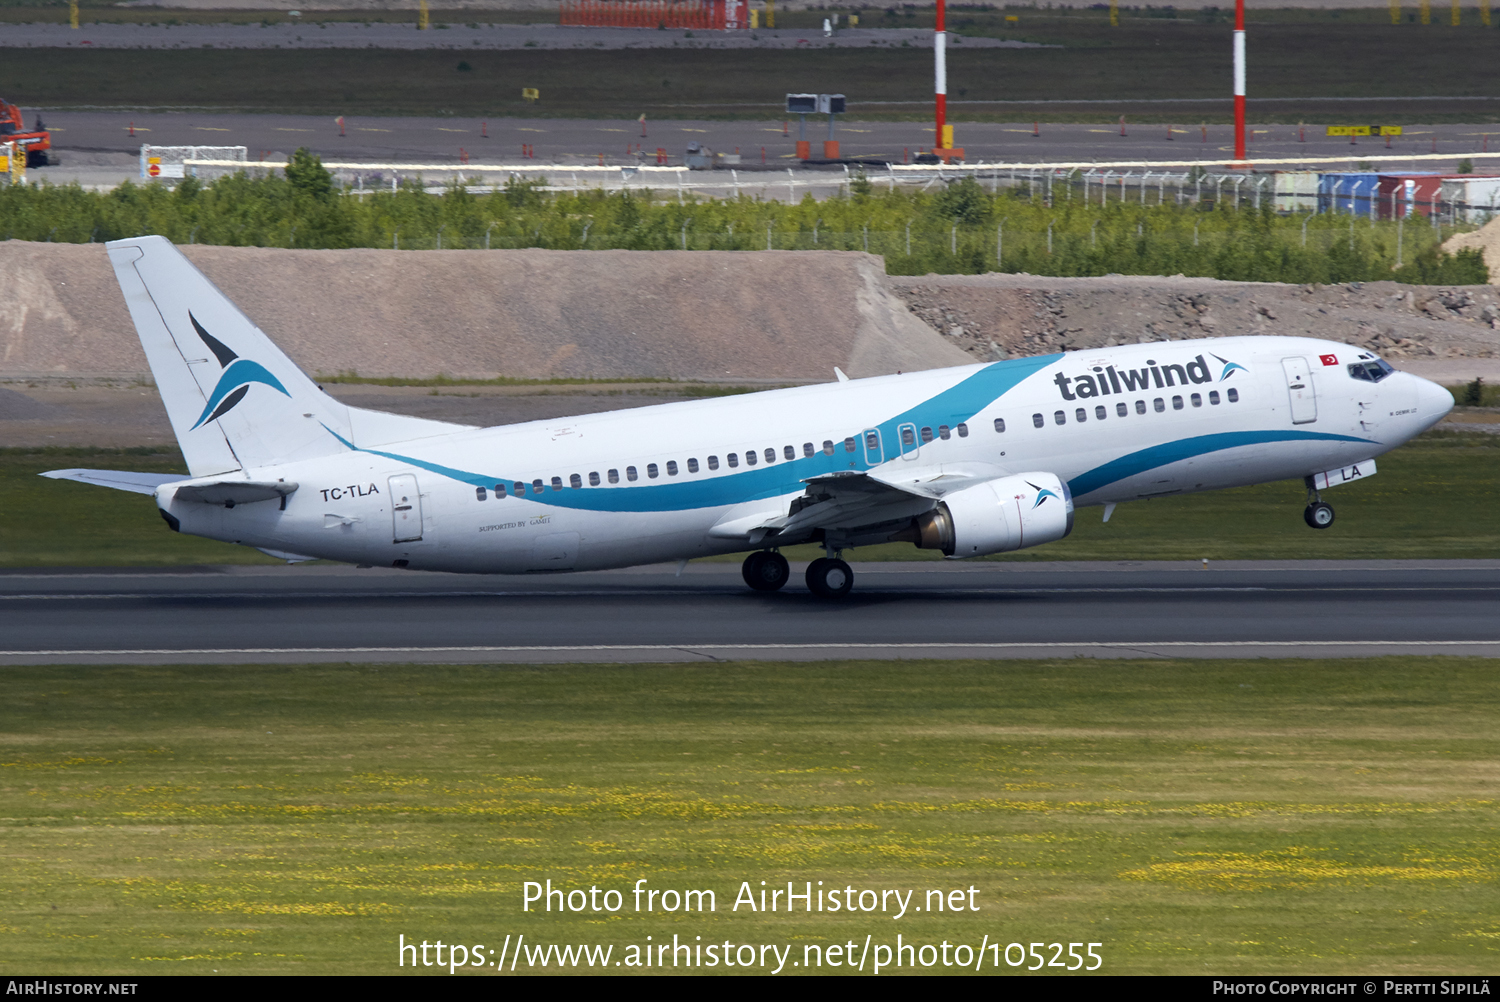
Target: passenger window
(1233, 395)
(943, 432)
(926, 434)
(1000, 425)
(962, 429)
(1081, 414)
(1213, 397)
(1140, 406)
(1037, 420)
(872, 440)
(749, 457)
(713, 462)
(1099, 413)
(828, 446)
(520, 489)
(652, 472)
(692, 466)
(631, 474)
(770, 455)
(557, 483)
(908, 436)
(734, 460)
(1177, 403)
(499, 490)
(807, 449)
(1060, 418)
(1159, 404)
(787, 452)
(575, 481)
(594, 479)
(536, 486)
(614, 476)
(849, 444)
(480, 494)
(1197, 399)
(1121, 410)
(671, 467)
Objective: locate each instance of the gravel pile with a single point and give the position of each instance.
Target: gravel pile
(774, 316)
(1002, 316)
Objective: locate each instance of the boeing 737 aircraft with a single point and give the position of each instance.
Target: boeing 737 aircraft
(969, 461)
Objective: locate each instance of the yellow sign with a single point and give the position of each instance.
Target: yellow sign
(1012, 17)
(947, 137)
(530, 93)
(1364, 130)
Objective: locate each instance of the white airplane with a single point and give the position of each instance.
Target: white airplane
(970, 461)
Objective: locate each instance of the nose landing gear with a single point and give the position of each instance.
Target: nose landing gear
(765, 570)
(1318, 513)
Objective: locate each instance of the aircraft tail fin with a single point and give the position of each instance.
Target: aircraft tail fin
(235, 400)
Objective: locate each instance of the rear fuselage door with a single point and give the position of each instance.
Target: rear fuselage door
(1300, 388)
(406, 509)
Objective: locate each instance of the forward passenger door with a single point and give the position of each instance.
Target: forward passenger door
(1299, 387)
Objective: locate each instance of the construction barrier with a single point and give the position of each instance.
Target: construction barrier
(705, 15)
(171, 161)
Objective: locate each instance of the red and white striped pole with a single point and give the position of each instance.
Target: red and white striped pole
(1239, 79)
(940, 67)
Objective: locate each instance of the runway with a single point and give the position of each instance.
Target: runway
(1316, 609)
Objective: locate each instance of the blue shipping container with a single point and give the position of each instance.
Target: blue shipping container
(1354, 192)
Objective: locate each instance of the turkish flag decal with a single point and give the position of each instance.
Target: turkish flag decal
(1329, 359)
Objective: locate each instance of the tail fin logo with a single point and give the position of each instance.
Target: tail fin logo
(234, 383)
(1042, 494)
(1229, 368)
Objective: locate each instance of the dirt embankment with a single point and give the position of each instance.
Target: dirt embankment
(773, 316)
(1448, 333)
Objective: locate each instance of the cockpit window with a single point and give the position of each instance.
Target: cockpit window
(1370, 372)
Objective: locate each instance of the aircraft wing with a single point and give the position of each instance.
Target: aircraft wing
(852, 502)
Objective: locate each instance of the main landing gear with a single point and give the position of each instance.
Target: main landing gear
(1318, 513)
(827, 577)
(765, 570)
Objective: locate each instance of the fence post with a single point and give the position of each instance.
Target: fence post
(999, 245)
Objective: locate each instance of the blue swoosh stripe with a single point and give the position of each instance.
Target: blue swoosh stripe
(955, 404)
(240, 372)
(1188, 448)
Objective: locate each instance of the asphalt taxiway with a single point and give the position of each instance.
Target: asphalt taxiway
(320, 613)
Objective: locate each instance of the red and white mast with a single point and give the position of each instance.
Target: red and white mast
(940, 67)
(1239, 77)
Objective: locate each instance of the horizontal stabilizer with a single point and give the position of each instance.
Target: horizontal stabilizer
(233, 492)
(120, 480)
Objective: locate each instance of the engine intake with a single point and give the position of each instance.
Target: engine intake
(998, 516)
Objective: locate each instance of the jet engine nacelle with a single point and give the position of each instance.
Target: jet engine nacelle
(998, 516)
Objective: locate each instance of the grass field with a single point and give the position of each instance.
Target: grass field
(1438, 497)
(1191, 817)
(1145, 58)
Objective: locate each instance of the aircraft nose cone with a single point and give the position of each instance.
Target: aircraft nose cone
(1433, 401)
